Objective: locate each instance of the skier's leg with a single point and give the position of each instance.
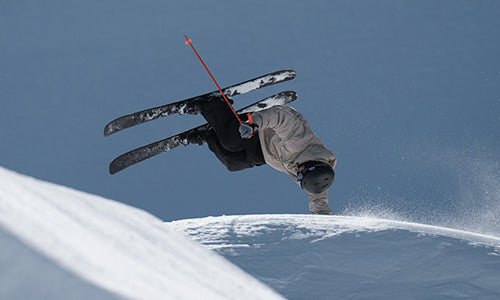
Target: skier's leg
(221, 118)
(225, 140)
(234, 161)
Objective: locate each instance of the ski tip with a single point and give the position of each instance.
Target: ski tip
(114, 126)
(114, 168)
(107, 131)
(287, 94)
(117, 164)
(292, 94)
(291, 73)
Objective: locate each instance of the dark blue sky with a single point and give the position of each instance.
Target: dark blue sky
(406, 94)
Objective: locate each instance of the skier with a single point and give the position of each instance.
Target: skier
(279, 136)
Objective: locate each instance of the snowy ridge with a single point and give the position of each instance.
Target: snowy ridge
(58, 243)
(210, 230)
(110, 249)
(330, 257)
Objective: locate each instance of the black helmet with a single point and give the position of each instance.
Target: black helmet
(315, 177)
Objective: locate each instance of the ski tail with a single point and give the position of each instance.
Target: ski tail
(137, 155)
(183, 107)
(193, 136)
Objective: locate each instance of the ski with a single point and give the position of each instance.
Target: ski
(183, 107)
(193, 136)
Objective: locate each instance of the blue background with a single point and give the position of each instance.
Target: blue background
(405, 93)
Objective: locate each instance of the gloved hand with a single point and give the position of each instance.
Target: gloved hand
(247, 130)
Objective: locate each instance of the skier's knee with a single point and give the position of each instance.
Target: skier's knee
(232, 143)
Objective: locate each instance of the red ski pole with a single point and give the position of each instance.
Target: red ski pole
(190, 43)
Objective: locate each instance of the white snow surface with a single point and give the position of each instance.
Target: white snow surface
(59, 243)
(336, 257)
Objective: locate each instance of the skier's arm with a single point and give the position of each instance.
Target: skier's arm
(318, 204)
(286, 122)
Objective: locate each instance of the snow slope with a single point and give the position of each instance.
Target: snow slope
(332, 257)
(58, 243)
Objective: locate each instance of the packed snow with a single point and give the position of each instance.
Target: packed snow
(58, 243)
(334, 257)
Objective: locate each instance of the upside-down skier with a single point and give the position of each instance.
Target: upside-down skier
(278, 136)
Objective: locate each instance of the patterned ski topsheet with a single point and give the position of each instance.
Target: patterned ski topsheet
(192, 136)
(183, 107)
